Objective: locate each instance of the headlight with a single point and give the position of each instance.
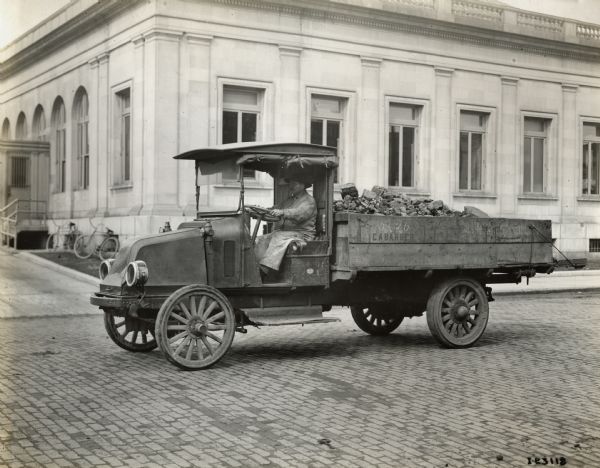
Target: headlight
(105, 267)
(136, 273)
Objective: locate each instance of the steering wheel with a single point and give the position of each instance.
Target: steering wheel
(261, 213)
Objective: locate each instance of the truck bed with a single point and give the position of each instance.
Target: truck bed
(395, 243)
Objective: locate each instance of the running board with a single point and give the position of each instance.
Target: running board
(294, 315)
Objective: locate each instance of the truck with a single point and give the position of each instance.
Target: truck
(189, 290)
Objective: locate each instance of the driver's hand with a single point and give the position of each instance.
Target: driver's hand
(277, 212)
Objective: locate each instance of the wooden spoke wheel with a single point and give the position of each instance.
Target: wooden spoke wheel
(195, 327)
(376, 320)
(132, 334)
(457, 312)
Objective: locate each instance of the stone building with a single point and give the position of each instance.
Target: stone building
(468, 101)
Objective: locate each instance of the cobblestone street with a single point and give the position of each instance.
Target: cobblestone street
(309, 396)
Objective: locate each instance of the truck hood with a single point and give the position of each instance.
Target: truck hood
(173, 258)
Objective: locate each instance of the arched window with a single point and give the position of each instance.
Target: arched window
(21, 128)
(6, 129)
(82, 147)
(38, 129)
(59, 131)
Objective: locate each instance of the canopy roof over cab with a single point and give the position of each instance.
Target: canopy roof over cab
(266, 157)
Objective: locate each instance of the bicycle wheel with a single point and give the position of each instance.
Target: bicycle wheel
(84, 246)
(54, 241)
(109, 248)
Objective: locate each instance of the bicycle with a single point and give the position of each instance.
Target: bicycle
(88, 244)
(64, 238)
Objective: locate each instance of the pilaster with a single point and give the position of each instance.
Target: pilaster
(568, 156)
(507, 178)
(369, 159)
(443, 173)
(138, 156)
(93, 135)
(161, 121)
(289, 96)
(194, 112)
(103, 143)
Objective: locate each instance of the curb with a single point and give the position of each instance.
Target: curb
(58, 268)
(537, 291)
(573, 273)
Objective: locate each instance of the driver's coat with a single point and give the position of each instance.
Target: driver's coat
(297, 224)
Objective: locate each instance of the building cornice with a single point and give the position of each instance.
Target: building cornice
(66, 33)
(486, 33)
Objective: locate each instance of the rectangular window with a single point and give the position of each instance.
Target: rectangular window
(471, 149)
(590, 181)
(595, 245)
(402, 140)
(241, 120)
(123, 173)
(19, 172)
(327, 119)
(534, 154)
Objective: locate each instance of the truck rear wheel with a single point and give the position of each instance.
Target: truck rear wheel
(195, 327)
(457, 312)
(376, 320)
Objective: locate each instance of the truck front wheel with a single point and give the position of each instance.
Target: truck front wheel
(376, 320)
(195, 327)
(130, 333)
(457, 312)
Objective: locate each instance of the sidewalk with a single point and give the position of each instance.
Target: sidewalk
(30, 289)
(33, 258)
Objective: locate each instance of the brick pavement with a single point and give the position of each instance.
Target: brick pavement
(319, 395)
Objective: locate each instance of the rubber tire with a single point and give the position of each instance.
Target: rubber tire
(162, 321)
(84, 246)
(52, 241)
(434, 313)
(360, 318)
(109, 248)
(117, 338)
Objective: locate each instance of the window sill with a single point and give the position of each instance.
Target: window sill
(413, 192)
(540, 196)
(118, 187)
(588, 198)
(490, 196)
(81, 189)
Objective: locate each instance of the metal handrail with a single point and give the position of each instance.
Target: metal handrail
(9, 205)
(8, 222)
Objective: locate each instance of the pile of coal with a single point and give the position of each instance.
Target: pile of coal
(386, 201)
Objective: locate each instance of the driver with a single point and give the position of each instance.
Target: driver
(298, 214)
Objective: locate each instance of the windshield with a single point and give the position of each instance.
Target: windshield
(222, 191)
